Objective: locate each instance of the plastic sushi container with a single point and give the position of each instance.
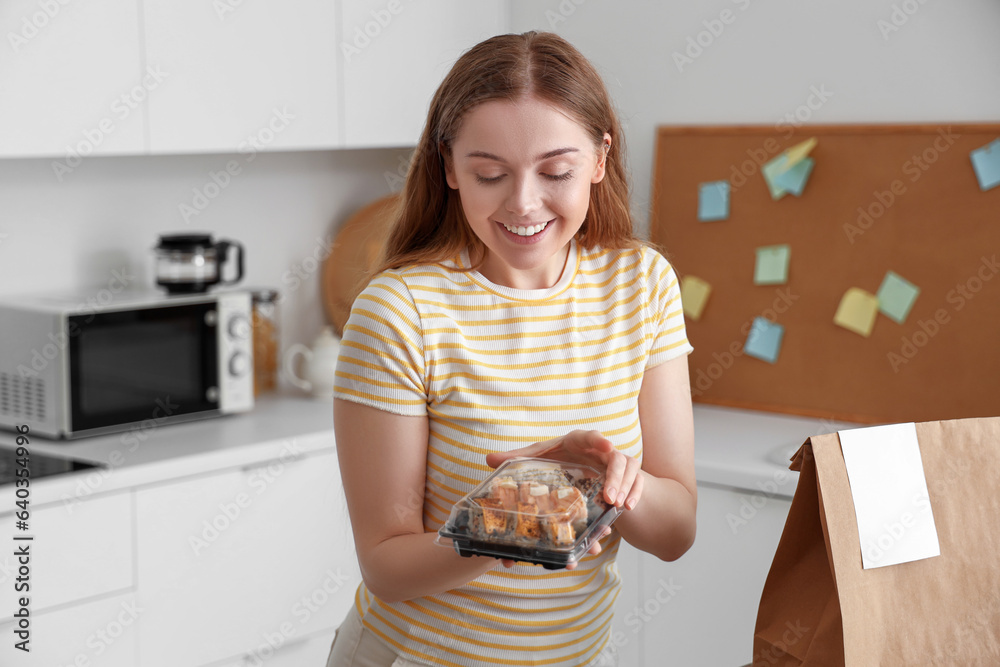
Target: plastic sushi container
(531, 510)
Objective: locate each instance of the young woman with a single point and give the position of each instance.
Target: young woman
(515, 314)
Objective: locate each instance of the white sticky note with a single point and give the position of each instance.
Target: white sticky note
(887, 480)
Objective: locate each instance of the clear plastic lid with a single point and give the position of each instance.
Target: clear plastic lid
(533, 510)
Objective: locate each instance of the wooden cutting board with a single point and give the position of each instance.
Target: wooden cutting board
(355, 250)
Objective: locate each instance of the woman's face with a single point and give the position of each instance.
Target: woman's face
(523, 171)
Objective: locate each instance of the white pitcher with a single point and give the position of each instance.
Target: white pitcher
(319, 364)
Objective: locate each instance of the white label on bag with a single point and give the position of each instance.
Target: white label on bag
(891, 503)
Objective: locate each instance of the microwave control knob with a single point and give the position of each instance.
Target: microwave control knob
(239, 327)
(239, 364)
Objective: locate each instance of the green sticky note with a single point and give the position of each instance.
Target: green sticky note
(857, 311)
(772, 265)
(713, 201)
(764, 340)
(772, 171)
(896, 296)
(794, 178)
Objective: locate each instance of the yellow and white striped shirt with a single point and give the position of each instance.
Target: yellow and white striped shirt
(497, 368)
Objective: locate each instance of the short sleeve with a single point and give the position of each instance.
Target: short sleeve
(381, 361)
(669, 336)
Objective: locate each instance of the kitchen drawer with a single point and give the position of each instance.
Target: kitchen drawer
(81, 550)
(101, 633)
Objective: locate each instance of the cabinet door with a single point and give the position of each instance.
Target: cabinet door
(81, 549)
(701, 609)
(243, 562)
(71, 80)
(394, 55)
(242, 76)
(102, 633)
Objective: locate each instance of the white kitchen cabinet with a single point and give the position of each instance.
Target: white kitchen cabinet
(81, 549)
(101, 633)
(629, 566)
(242, 76)
(395, 53)
(71, 79)
(243, 563)
(701, 609)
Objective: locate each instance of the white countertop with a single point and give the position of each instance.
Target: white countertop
(279, 427)
(749, 449)
(737, 448)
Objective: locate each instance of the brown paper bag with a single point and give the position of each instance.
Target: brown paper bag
(820, 608)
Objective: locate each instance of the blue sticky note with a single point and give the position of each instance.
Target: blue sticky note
(764, 341)
(794, 179)
(772, 171)
(986, 163)
(713, 201)
(896, 296)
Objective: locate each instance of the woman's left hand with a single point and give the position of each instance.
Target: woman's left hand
(622, 481)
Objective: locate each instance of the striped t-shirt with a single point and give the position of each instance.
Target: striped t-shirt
(496, 368)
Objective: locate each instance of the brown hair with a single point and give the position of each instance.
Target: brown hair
(430, 225)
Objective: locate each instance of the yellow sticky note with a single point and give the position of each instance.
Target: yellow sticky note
(798, 152)
(857, 311)
(694, 296)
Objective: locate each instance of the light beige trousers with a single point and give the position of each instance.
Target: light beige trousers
(356, 646)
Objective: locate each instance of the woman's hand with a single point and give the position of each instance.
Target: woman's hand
(622, 481)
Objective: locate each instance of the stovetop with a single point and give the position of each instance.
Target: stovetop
(39, 465)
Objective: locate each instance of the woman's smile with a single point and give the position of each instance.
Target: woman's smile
(526, 233)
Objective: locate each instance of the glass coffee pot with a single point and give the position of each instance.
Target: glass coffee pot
(191, 263)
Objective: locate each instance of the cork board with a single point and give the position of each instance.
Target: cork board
(903, 198)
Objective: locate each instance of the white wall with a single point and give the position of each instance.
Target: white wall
(941, 64)
(108, 213)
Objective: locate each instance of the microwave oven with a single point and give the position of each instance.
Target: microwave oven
(72, 367)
